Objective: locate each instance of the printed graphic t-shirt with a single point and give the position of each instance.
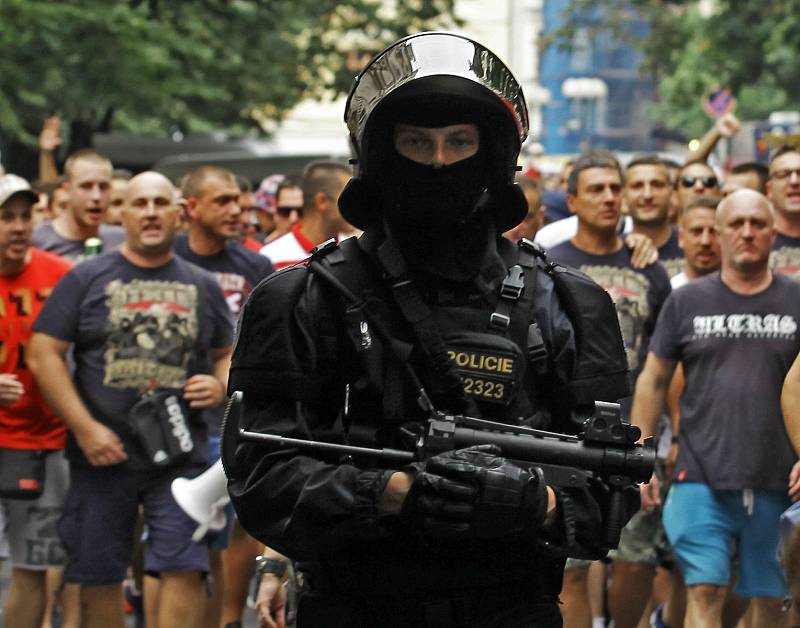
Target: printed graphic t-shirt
(29, 423)
(785, 256)
(736, 350)
(637, 293)
(237, 269)
(135, 329)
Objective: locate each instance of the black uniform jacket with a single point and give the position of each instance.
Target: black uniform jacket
(300, 361)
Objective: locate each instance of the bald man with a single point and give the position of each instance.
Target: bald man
(151, 335)
(735, 333)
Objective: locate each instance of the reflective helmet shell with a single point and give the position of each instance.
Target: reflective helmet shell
(426, 55)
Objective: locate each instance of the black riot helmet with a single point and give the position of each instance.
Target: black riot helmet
(435, 79)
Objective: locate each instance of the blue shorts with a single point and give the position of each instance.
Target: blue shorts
(704, 527)
(98, 524)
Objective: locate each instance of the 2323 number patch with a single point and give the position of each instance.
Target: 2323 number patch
(486, 375)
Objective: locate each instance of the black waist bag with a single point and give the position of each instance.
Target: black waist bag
(160, 423)
(21, 473)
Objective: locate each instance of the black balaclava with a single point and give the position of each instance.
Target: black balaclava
(438, 215)
(435, 213)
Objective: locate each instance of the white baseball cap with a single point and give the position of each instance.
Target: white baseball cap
(11, 184)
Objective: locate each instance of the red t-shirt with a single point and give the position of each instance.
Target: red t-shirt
(252, 244)
(29, 423)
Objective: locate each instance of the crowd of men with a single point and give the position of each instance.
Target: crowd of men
(119, 299)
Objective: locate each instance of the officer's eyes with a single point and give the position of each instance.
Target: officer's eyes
(412, 140)
(462, 142)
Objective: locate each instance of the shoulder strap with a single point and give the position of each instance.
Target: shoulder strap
(329, 256)
(420, 317)
(520, 285)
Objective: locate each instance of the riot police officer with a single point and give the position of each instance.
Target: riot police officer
(429, 309)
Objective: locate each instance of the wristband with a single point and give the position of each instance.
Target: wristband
(272, 566)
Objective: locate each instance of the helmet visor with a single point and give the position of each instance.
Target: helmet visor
(427, 55)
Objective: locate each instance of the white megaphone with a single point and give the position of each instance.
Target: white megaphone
(203, 498)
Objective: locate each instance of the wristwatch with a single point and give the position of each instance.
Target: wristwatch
(276, 567)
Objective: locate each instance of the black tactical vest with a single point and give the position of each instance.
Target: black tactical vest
(474, 354)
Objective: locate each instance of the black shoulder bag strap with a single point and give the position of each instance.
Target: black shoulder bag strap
(370, 320)
(420, 317)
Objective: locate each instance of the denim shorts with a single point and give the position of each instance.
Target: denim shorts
(705, 526)
(98, 524)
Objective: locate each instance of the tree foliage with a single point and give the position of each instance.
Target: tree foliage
(750, 46)
(152, 65)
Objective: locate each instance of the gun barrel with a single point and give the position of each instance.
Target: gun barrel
(636, 462)
(395, 455)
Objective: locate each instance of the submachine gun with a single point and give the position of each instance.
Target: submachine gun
(606, 449)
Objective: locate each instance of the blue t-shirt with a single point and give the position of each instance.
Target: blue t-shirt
(236, 269)
(135, 329)
(46, 238)
(736, 350)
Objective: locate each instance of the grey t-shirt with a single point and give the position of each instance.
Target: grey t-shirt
(134, 329)
(736, 350)
(46, 238)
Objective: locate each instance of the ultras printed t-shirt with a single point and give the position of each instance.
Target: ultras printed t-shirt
(136, 329)
(29, 423)
(736, 350)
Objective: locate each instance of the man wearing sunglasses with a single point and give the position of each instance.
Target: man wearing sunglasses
(322, 183)
(287, 210)
(783, 189)
(694, 180)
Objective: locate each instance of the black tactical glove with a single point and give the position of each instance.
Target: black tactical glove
(474, 493)
(581, 527)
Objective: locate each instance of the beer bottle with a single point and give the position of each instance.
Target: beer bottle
(92, 247)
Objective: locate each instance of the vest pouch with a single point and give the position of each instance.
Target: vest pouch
(160, 423)
(491, 367)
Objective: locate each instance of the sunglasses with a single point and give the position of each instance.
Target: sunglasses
(287, 211)
(708, 182)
